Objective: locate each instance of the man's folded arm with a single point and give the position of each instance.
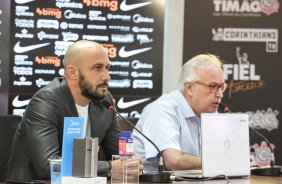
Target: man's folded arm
(176, 160)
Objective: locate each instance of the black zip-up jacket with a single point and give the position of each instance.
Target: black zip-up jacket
(40, 133)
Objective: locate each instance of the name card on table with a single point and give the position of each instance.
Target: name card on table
(73, 128)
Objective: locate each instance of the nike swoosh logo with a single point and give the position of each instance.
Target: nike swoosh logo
(17, 103)
(126, 7)
(123, 105)
(19, 49)
(122, 53)
(23, 1)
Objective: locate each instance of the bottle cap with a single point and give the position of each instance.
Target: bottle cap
(125, 134)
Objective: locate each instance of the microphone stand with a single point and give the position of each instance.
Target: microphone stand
(260, 171)
(160, 177)
(267, 171)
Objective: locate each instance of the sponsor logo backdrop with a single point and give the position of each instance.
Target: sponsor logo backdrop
(245, 34)
(42, 31)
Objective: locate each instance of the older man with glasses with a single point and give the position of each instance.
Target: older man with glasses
(172, 122)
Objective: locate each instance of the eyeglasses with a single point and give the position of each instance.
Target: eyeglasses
(214, 87)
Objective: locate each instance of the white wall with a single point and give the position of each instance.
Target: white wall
(173, 43)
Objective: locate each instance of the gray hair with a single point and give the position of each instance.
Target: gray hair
(199, 62)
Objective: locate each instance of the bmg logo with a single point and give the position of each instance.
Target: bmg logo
(111, 4)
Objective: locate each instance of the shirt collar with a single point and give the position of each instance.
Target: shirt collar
(183, 104)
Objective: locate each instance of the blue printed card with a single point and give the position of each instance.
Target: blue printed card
(73, 128)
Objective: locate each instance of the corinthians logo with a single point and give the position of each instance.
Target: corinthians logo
(269, 6)
(260, 154)
(261, 119)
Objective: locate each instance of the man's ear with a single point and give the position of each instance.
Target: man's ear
(188, 88)
(72, 72)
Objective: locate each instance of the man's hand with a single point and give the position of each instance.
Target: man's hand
(127, 167)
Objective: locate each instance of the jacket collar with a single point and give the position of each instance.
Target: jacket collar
(68, 96)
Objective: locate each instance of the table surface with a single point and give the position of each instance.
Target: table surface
(248, 180)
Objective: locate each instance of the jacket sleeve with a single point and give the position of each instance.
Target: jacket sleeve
(103, 169)
(43, 122)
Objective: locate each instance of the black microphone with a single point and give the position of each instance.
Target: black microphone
(160, 177)
(272, 170)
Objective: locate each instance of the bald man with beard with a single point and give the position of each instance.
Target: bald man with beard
(78, 94)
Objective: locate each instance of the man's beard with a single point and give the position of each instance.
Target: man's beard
(86, 89)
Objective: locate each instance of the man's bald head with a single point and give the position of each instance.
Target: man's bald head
(76, 52)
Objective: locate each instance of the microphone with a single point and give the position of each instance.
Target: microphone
(272, 170)
(160, 177)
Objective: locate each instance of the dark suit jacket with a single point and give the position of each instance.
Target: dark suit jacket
(40, 133)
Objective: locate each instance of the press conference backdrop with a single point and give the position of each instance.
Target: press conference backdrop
(35, 34)
(247, 36)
